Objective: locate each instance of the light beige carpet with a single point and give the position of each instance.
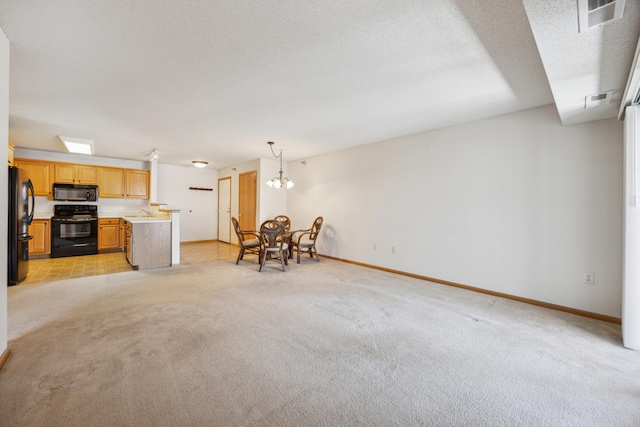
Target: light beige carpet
(324, 344)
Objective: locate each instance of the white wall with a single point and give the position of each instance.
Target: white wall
(4, 185)
(273, 201)
(198, 209)
(516, 204)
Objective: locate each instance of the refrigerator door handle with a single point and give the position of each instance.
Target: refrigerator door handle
(33, 201)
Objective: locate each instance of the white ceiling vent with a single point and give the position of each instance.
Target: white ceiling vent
(594, 13)
(598, 99)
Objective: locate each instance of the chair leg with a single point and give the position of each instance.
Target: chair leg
(264, 258)
(282, 259)
(240, 255)
(298, 254)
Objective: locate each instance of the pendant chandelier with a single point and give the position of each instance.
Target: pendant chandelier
(279, 181)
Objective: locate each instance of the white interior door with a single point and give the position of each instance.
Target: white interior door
(224, 209)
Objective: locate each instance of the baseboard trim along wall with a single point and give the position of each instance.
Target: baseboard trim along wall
(4, 357)
(198, 241)
(583, 313)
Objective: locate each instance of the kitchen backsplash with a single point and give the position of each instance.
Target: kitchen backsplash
(44, 205)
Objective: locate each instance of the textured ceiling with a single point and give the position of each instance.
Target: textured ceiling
(216, 80)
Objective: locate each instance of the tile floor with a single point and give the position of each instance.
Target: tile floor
(50, 269)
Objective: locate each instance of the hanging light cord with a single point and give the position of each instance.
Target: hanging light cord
(277, 157)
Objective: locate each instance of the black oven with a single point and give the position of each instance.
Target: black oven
(74, 230)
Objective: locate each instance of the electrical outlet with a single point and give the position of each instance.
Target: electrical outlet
(393, 249)
(589, 278)
(375, 247)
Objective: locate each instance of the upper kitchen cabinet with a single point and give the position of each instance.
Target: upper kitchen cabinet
(137, 183)
(110, 182)
(39, 173)
(68, 173)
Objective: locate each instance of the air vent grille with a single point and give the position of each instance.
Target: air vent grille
(598, 99)
(594, 13)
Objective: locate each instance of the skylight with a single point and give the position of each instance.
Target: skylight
(78, 145)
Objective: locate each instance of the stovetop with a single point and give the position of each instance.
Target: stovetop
(67, 211)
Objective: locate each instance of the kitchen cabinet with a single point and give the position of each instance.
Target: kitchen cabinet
(137, 183)
(10, 154)
(40, 229)
(39, 173)
(148, 244)
(108, 233)
(68, 173)
(122, 235)
(110, 182)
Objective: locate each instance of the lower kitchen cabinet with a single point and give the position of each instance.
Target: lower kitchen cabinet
(109, 234)
(40, 229)
(148, 244)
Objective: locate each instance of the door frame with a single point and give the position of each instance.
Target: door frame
(226, 226)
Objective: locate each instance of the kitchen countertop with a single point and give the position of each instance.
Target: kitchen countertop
(137, 219)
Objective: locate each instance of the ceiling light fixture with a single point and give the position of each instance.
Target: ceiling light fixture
(199, 163)
(77, 145)
(153, 155)
(279, 181)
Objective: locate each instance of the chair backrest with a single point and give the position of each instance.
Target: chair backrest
(315, 228)
(286, 222)
(272, 233)
(236, 226)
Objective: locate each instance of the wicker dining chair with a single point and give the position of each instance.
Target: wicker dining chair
(305, 240)
(249, 241)
(286, 222)
(273, 244)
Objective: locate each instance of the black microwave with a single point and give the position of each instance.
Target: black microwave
(75, 192)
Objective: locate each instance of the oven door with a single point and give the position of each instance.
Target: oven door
(71, 236)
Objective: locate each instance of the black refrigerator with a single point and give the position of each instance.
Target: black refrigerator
(20, 216)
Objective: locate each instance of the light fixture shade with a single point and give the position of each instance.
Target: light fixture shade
(279, 182)
(199, 163)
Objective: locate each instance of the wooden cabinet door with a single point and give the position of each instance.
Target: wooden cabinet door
(110, 182)
(64, 173)
(68, 173)
(40, 229)
(10, 154)
(86, 174)
(39, 173)
(108, 234)
(137, 183)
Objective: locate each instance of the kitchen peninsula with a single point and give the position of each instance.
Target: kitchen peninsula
(147, 242)
(146, 239)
